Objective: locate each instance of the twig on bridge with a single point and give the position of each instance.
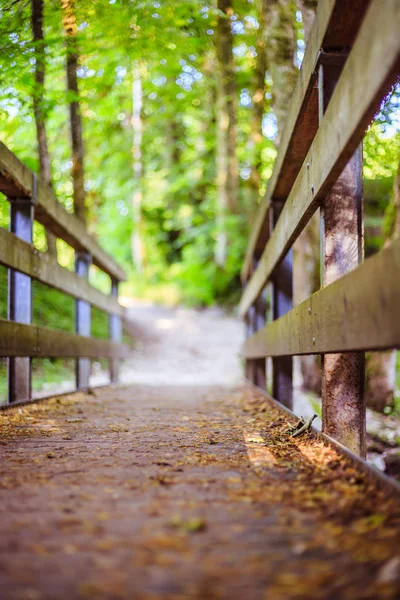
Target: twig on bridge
(305, 427)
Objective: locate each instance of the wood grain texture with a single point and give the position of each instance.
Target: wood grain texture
(342, 249)
(17, 180)
(335, 26)
(18, 339)
(359, 311)
(23, 257)
(368, 74)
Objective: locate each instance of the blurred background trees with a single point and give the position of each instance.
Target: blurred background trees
(159, 122)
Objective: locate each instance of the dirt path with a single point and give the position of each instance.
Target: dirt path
(185, 346)
(170, 488)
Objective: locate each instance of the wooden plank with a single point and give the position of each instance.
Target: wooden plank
(83, 318)
(115, 331)
(17, 180)
(20, 300)
(359, 311)
(342, 249)
(335, 26)
(282, 302)
(368, 74)
(23, 257)
(18, 339)
(255, 369)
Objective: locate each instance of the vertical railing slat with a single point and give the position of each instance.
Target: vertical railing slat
(282, 302)
(82, 321)
(20, 298)
(115, 328)
(343, 407)
(255, 320)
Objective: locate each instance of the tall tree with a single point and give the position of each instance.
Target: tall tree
(258, 99)
(381, 366)
(71, 30)
(281, 44)
(307, 9)
(137, 197)
(38, 104)
(227, 167)
(306, 252)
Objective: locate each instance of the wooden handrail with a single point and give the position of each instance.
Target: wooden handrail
(348, 315)
(319, 165)
(17, 180)
(19, 340)
(41, 266)
(354, 102)
(335, 27)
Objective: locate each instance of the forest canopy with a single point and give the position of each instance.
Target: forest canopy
(182, 107)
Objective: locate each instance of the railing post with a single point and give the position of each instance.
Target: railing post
(343, 405)
(282, 302)
(82, 321)
(255, 369)
(115, 327)
(260, 318)
(20, 298)
(249, 371)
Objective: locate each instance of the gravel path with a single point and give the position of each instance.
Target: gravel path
(183, 346)
(192, 347)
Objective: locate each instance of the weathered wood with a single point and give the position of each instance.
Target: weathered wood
(115, 327)
(359, 311)
(20, 300)
(82, 321)
(335, 27)
(249, 330)
(17, 180)
(368, 74)
(255, 369)
(342, 249)
(18, 339)
(282, 302)
(259, 364)
(23, 257)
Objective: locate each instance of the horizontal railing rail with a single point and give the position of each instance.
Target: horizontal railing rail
(16, 180)
(336, 25)
(355, 100)
(20, 340)
(351, 62)
(347, 315)
(41, 266)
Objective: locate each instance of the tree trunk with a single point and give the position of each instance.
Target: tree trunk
(381, 379)
(307, 9)
(280, 19)
(70, 28)
(227, 168)
(306, 281)
(256, 134)
(306, 255)
(137, 197)
(38, 108)
(381, 366)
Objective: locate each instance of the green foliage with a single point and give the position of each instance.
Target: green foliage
(174, 44)
(381, 148)
(200, 278)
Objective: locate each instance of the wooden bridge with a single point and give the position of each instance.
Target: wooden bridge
(177, 492)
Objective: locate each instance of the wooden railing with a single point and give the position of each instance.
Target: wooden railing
(20, 340)
(351, 61)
